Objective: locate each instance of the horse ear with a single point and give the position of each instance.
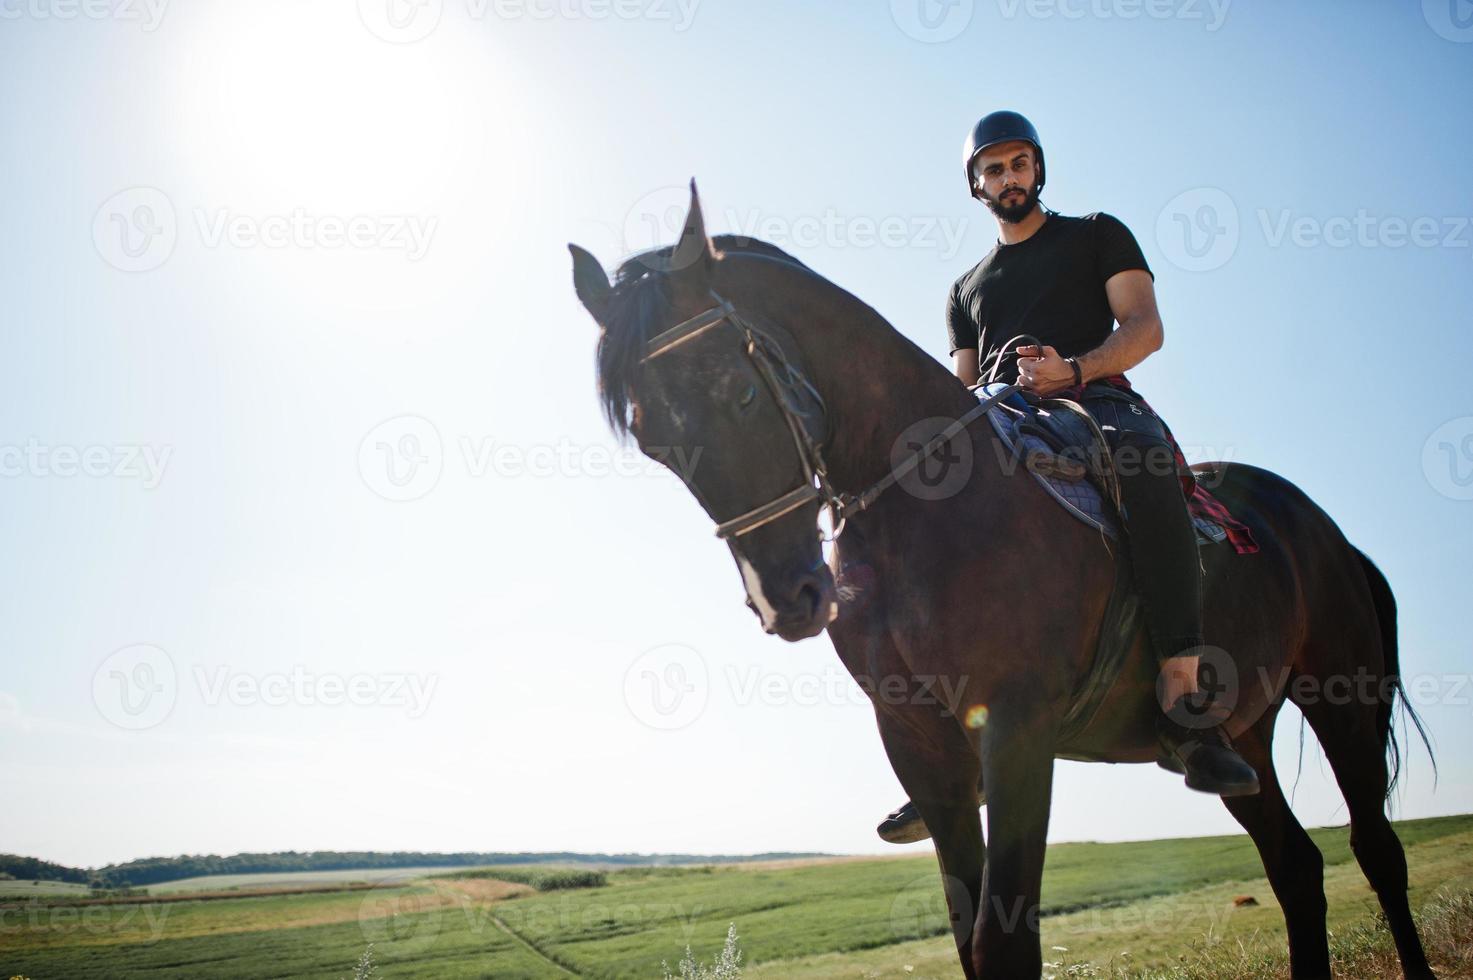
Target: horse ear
(590, 281)
(694, 250)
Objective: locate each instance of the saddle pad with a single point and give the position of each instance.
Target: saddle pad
(1080, 498)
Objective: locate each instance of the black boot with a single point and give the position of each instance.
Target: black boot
(1205, 757)
(905, 826)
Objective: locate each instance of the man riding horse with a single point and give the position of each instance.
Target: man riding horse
(1064, 282)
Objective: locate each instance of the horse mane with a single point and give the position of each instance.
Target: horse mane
(640, 299)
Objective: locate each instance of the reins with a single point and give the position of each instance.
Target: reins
(781, 376)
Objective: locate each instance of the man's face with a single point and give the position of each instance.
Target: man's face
(1006, 178)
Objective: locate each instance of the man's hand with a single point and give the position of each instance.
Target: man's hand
(1042, 371)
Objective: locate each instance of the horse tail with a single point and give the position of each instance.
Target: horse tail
(1385, 603)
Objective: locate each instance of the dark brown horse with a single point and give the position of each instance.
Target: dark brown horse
(794, 390)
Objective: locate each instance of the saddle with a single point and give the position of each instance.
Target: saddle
(1060, 444)
(1062, 447)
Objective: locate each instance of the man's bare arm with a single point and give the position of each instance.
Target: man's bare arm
(967, 368)
(1132, 298)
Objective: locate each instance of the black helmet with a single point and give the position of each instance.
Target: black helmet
(1000, 127)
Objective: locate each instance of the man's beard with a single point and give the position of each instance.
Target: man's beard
(1012, 213)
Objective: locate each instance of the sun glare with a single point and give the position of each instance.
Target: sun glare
(350, 157)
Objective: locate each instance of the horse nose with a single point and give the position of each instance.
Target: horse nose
(808, 595)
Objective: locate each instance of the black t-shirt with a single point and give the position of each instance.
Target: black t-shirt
(1051, 285)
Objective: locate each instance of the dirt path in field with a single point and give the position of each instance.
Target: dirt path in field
(526, 944)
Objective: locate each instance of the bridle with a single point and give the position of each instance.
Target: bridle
(784, 379)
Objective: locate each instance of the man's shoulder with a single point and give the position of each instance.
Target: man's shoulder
(1084, 222)
(1098, 231)
(1063, 227)
(1104, 221)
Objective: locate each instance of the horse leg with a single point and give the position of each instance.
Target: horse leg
(1349, 735)
(1293, 863)
(956, 833)
(938, 768)
(1018, 768)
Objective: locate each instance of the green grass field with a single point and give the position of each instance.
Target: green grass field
(1141, 904)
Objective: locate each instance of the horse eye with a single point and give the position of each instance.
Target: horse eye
(748, 394)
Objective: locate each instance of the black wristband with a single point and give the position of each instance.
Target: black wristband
(1078, 374)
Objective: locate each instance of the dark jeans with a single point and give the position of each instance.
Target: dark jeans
(1162, 541)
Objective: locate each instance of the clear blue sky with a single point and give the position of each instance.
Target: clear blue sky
(331, 224)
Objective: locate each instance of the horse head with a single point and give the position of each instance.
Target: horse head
(717, 397)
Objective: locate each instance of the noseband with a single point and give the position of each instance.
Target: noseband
(784, 379)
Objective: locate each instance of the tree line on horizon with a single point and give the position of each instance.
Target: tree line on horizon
(154, 870)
